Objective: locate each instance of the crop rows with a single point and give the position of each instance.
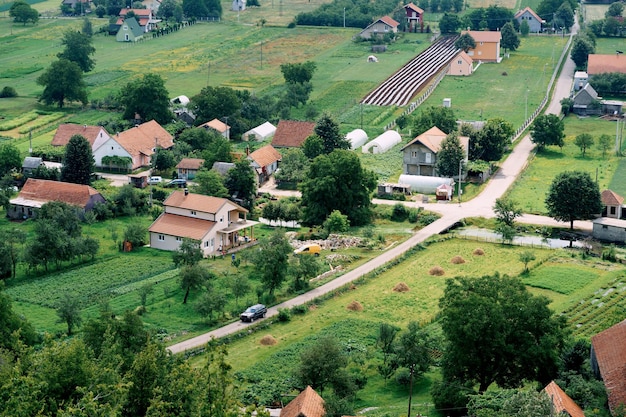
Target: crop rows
(408, 80)
(90, 282)
(17, 122)
(42, 121)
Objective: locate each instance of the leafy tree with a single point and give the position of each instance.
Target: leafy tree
(336, 222)
(293, 166)
(547, 130)
(506, 212)
(450, 157)
(21, 12)
(510, 40)
(526, 257)
(605, 142)
(215, 103)
(385, 341)
(195, 8)
(498, 332)
(449, 23)
(412, 351)
(272, 259)
(11, 241)
(615, 9)
(210, 301)
(144, 291)
(241, 183)
(337, 182)
(10, 159)
(14, 328)
(68, 311)
(465, 42)
(524, 28)
(78, 162)
(239, 286)
(8, 91)
(147, 371)
(565, 15)
(328, 130)
(63, 81)
(583, 141)
(298, 73)
(135, 234)
(193, 277)
(162, 159)
(210, 182)
(510, 403)
(581, 48)
(146, 97)
(303, 268)
(611, 26)
(573, 195)
(313, 147)
(78, 48)
(188, 253)
(442, 117)
(166, 9)
(490, 143)
(322, 364)
(87, 28)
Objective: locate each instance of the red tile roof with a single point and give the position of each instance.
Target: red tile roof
(67, 130)
(432, 139)
(414, 8)
(531, 12)
(190, 163)
(609, 348)
(216, 125)
(389, 21)
(600, 64)
(610, 198)
(562, 402)
(138, 12)
(175, 225)
(307, 404)
(265, 156)
(45, 191)
(292, 133)
(143, 138)
(199, 202)
(484, 36)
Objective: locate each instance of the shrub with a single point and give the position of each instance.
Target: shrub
(7, 92)
(436, 271)
(403, 377)
(399, 213)
(284, 315)
(299, 309)
(609, 254)
(414, 215)
(426, 219)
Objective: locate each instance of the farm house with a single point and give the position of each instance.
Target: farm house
(424, 184)
(357, 138)
(383, 142)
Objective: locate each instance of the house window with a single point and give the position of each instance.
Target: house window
(481, 43)
(605, 227)
(162, 238)
(194, 213)
(413, 154)
(386, 28)
(428, 157)
(459, 62)
(206, 243)
(221, 220)
(613, 210)
(111, 147)
(212, 241)
(178, 238)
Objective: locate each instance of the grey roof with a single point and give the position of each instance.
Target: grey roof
(223, 167)
(31, 162)
(134, 27)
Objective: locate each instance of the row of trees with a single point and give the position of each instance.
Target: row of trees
(612, 24)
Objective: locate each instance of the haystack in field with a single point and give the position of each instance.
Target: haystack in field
(436, 271)
(457, 260)
(355, 306)
(268, 340)
(401, 287)
(478, 252)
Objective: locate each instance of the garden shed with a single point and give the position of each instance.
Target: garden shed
(261, 132)
(383, 143)
(425, 184)
(357, 138)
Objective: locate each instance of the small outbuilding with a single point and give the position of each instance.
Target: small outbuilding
(31, 163)
(260, 133)
(425, 184)
(357, 138)
(238, 5)
(609, 230)
(383, 142)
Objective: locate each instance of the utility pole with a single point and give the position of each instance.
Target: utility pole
(344, 17)
(460, 180)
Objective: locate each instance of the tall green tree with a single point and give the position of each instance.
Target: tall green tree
(194, 277)
(449, 23)
(547, 130)
(328, 130)
(581, 48)
(10, 159)
(337, 182)
(605, 142)
(210, 182)
(293, 166)
(14, 328)
(215, 103)
(147, 97)
(451, 156)
(63, 81)
(573, 195)
(465, 42)
(564, 15)
(584, 141)
(21, 12)
(490, 142)
(510, 40)
(68, 311)
(298, 73)
(11, 242)
(188, 253)
(78, 162)
(524, 28)
(506, 212)
(78, 48)
(313, 147)
(271, 261)
(442, 117)
(322, 364)
(497, 332)
(87, 27)
(241, 183)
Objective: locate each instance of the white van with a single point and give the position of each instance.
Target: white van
(155, 180)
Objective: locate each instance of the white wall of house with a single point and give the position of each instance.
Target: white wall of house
(208, 244)
(110, 147)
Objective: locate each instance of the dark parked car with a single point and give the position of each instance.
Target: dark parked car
(180, 182)
(252, 313)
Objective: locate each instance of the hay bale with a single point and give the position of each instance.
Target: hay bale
(268, 340)
(401, 287)
(478, 252)
(457, 260)
(355, 306)
(436, 271)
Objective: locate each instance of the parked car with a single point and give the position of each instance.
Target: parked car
(257, 311)
(179, 182)
(310, 249)
(155, 180)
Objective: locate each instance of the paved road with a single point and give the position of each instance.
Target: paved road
(481, 206)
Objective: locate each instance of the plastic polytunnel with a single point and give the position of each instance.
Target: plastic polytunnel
(383, 142)
(424, 184)
(357, 138)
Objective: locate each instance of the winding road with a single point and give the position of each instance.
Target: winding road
(451, 213)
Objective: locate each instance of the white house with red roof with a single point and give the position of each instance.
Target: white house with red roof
(217, 223)
(95, 135)
(217, 126)
(144, 17)
(608, 361)
(139, 143)
(35, 193)
(265, 162)
(380, 27)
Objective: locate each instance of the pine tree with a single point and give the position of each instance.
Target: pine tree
(78, 163)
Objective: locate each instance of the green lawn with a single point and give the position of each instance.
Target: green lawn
(530, 188)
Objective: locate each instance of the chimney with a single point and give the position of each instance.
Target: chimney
(247, 150)
(186, 191)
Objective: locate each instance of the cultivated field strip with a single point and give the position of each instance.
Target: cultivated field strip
(407, 81)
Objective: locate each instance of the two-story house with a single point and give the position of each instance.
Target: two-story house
(414, 18)
(265, 162)
(380, 27)
(217, 223)
(529, 16)
(420, 154)
(487, 45)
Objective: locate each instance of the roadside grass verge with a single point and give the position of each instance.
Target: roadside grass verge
(531, 187)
